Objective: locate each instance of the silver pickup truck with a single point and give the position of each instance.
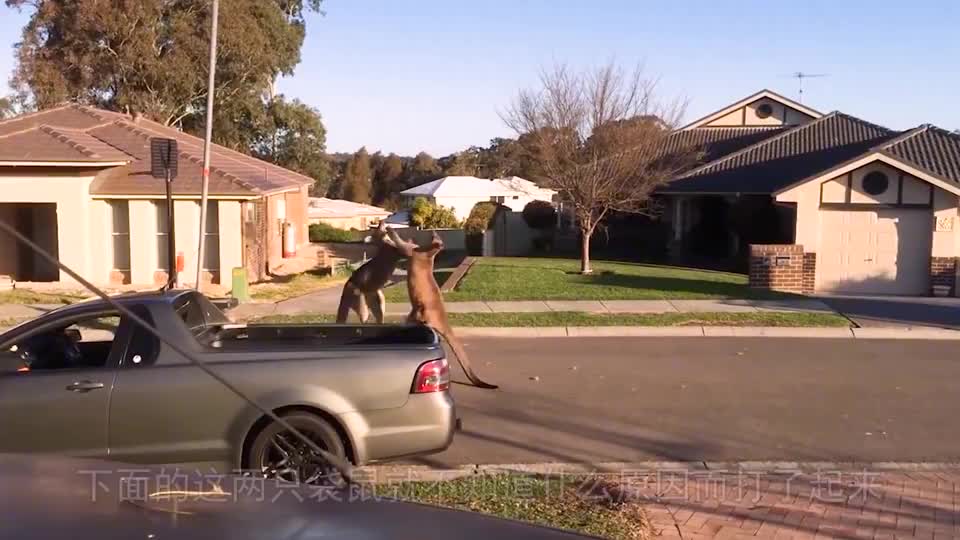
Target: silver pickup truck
(84, 381)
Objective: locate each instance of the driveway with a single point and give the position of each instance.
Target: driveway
(707, 399)
(897, 310)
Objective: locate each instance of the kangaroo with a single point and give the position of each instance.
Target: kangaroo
(425, 297)
(363, 292)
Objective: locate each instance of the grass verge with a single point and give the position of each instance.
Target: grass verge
(519, 278)
(12, 321)
(293, 286)
(27, 296)
(562, 503)
(575, 318)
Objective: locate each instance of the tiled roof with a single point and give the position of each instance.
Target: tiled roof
(718, 142)
(929, 148)
(76, 133)
(781, 160)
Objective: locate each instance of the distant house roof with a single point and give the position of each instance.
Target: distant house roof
(471, 186)
(80, 136)
(322, 207)
(781, 160)
(765, 93)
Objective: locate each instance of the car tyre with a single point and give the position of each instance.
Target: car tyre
(277, 453)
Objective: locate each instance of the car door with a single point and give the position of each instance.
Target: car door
(165, 410)
(60, 407)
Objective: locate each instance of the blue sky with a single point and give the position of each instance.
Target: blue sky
(413, 75)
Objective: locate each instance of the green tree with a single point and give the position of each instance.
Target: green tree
(539, 215)
(480, 216)
(293, 136)
(386, 178)
(150, 56)
(424, 166)
(466, 163)
(428, 215)
(7, 107)
(356, 178)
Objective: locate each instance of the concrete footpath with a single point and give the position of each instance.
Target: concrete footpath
(689, 501)
(709, 331)
(327, 300)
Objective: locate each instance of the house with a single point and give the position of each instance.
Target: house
(462, 193)
(820, 202)
(344, 214)
(77, 181)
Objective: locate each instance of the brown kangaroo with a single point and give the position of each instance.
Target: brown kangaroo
(425, 297)
(363, 292)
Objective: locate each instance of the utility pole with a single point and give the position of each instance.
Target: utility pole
(207, 140)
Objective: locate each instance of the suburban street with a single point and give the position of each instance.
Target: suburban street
(707, 399)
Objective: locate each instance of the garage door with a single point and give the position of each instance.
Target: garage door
(884, 251)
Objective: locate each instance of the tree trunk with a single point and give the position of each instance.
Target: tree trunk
(585, 252)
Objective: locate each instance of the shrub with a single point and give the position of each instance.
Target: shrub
(540, 215)
(428, 215)
(323, 232)
(480, 217)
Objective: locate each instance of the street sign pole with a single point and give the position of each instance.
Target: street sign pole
(207, 142)
(164, 165)
(171, 239)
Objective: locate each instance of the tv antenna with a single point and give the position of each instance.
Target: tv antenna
(800, 76)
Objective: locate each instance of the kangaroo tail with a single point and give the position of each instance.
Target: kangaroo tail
(461, 355)
(343, 310)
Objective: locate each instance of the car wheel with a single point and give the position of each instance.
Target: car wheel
(278, 453)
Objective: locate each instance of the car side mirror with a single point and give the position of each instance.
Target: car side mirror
(73, 334)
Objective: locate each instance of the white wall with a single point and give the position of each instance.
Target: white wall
(231, 240)
(100, 229)
(946, 243)
(70, 191)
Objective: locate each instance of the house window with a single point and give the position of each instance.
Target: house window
(515, 197)
(211, 237)
(764, 110)
(875, 183)
(163, 231)
(498, 200)
(121, 235)
(249, 212)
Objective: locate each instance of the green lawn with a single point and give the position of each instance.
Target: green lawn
(27, 296)
(296, 285)
(574, 318)
(517, 278)
(570, 503)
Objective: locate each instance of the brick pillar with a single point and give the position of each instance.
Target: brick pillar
(809, 272)
(943, 271)
(778, 267)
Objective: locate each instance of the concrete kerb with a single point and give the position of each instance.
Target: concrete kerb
(391, 473)
(711, 331)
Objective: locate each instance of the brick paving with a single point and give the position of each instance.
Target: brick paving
(793, 505)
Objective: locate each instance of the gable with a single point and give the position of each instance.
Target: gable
(763, 109)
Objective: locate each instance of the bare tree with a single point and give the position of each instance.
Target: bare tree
(600, 138)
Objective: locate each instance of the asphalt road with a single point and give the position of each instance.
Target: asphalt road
(897, 310)
(708, 399)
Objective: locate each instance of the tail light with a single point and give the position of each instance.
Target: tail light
(432, 376)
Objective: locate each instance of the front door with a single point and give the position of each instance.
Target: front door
(57, 402)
